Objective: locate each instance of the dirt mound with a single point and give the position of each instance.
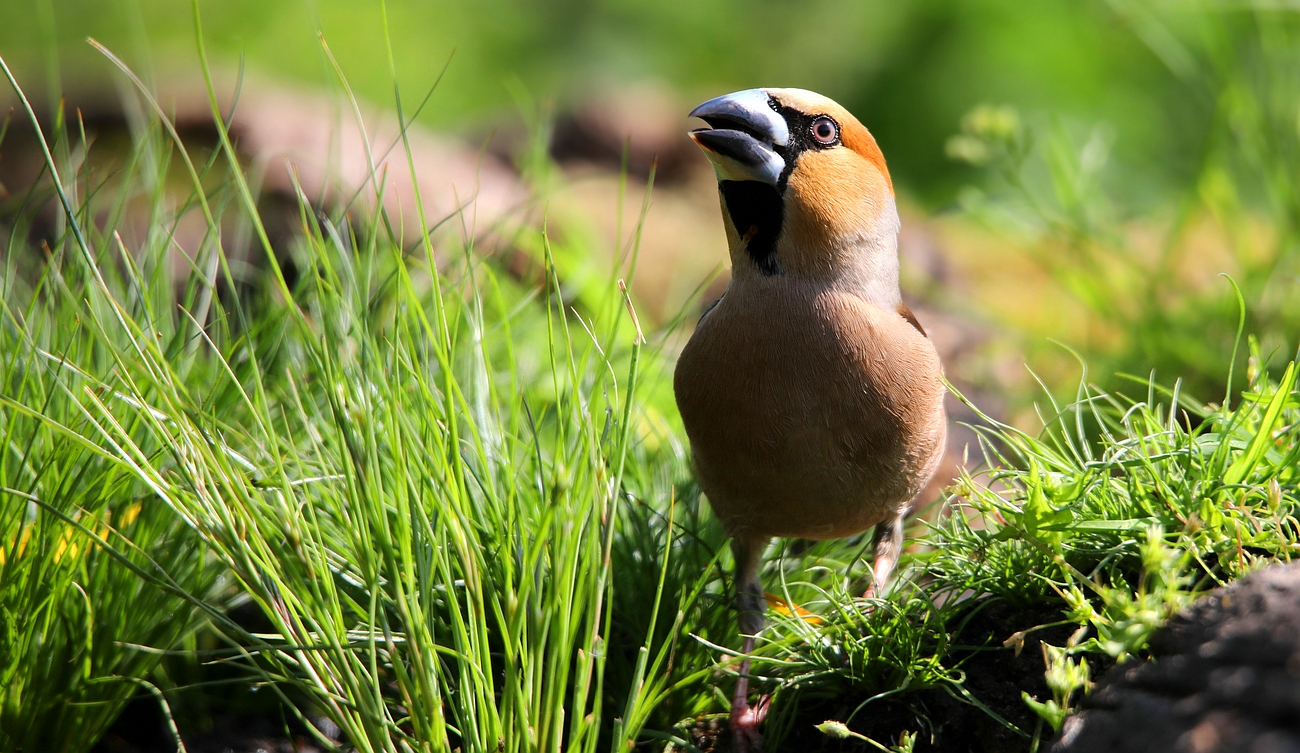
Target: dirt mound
(1224, 676)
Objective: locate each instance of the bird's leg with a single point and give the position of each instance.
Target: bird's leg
(888, 545)
(750, 604)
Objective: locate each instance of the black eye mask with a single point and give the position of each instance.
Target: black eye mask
(801, 138)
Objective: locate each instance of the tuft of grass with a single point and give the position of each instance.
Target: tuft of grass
(425, 475)
(1128, 504)
(97, 575)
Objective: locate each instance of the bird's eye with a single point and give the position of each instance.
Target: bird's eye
(824, 130)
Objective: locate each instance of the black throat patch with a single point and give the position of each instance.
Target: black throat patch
(756, 210)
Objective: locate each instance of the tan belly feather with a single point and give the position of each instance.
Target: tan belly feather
(814, 415)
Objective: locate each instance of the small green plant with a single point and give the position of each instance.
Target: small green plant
(1065, 677)
(1157, 500)
(839, 731)
(1129, 616)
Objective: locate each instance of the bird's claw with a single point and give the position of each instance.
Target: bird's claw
(745, 721)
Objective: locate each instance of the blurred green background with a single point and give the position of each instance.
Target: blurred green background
(909, 70)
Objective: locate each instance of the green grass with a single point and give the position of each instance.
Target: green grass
(423, 479)
(95, 569)
(462, 503)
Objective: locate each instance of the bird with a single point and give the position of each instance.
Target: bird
(811, 396)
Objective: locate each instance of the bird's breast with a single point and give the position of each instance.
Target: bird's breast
(810, 413)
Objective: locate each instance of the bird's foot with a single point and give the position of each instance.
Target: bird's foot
(745, 721)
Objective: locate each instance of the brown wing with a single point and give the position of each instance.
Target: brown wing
(907, 314)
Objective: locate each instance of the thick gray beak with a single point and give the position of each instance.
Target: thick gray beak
(743, 131)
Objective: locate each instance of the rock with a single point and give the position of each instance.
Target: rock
(647, 119)
(1224, 676)
(288, 138)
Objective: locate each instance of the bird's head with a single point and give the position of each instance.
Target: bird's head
(804, 187)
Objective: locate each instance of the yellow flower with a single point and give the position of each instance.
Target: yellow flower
(130, 513)
(66, 545)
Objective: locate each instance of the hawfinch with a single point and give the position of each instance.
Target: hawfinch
(812, 397)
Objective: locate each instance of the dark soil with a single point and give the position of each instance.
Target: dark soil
(216, 710)
(232, 719)
(995, 675)
(141, 729)
(1224, 677)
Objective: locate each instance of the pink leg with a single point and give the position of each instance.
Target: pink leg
(746, 719)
